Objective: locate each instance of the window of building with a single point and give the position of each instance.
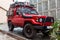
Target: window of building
(31, 1)
(39, 0)
(53, 13)
(45, 5)
(58, 14)
(35, 1)
(52, 4)
(40, 13)
(35, 6)
(39, 7)
(44, 0)
(58, 3)
(46, 13)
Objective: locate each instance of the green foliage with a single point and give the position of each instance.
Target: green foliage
(55, 29)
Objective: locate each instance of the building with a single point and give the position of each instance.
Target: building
(4, 6)
(47, 7)
(3, 17)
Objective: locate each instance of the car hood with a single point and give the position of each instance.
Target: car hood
(38, 16)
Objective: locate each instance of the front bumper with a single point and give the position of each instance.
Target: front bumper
(43, 27)
(49, 27)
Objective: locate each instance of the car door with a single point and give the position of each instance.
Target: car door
(19, 18)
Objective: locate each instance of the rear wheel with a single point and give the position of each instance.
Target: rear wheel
(10, 26)
(29, 31)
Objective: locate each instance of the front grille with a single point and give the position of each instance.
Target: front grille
(49, 19)
(43, 20)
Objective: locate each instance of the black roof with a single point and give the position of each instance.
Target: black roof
(19, 4)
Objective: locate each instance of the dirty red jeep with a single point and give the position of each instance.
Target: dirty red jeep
(25, 16)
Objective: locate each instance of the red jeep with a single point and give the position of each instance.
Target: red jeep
(28, 18)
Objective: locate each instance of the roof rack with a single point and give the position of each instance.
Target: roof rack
(20, 4)
(17, 4)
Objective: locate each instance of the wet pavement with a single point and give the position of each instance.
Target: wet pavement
(4, 36)
(18, 31)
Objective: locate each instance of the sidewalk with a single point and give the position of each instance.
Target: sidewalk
(3, 26)
(6, 37)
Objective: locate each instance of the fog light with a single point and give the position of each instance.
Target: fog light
(37, 20)
(49, 27)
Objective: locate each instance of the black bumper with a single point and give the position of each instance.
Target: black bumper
(42, 27)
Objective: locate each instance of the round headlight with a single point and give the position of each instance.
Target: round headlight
(37, 20)
(40, 20)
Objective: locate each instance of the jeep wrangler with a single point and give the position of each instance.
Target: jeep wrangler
(26, 17)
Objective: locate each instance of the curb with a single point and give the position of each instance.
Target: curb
(1, 23)
(13, 35)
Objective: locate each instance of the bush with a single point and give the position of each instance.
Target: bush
(55, 32)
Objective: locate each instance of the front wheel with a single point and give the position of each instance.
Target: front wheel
(29, 31)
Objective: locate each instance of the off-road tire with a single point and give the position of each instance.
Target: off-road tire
(10, 26)
(29, 31)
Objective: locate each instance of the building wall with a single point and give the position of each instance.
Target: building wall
(3, 18)
(48, 7)
(4, 4)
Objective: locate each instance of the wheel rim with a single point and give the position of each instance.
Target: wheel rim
(28, 31)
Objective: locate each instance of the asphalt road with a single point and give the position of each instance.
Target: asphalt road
(18, 31)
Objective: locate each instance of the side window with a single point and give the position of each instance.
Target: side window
(10, 12)
(7, 13)
(22, 10)
(25, 10)
(18, 11)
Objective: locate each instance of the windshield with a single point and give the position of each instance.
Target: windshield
(29, 11)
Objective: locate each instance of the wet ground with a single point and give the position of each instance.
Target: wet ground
(6, 37)
(18, 31)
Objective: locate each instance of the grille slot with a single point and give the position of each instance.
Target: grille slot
(49, 19)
